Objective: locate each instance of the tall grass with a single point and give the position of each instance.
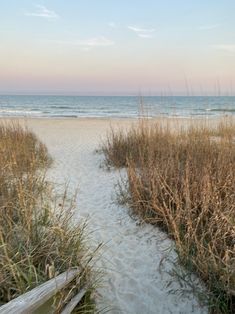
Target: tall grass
(183, 180)
(38, 239)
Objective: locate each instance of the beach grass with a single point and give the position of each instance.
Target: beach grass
(38, 236)
(181, 178)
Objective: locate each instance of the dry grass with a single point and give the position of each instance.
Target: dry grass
(37, 237)
(183, 180)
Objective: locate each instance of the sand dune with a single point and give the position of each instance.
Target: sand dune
(132, 254)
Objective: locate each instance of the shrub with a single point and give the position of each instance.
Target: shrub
(183, 180)
(38, 239)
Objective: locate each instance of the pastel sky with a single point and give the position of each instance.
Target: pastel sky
(117, 47)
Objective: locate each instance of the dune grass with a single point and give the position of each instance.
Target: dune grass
(182, 179)
(38, 239)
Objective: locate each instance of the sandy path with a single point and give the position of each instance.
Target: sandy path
(132, 253)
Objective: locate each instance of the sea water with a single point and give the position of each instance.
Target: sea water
(115, 106)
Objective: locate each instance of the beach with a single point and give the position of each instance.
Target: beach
(117, 157)
(134, 258)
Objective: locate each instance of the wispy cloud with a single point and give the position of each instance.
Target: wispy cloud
(142, 32)
(88, 43)
(43, 12)
(229, 48)
(208, 27)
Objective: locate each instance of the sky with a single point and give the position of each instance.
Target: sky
(117, 47)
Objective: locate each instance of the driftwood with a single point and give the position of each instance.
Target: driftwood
(35, 298)
(75, 300)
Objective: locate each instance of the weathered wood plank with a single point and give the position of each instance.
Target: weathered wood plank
(30, 301)
(75, 300)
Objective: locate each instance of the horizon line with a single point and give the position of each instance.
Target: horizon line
(115, 95)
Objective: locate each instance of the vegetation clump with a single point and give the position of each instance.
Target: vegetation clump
(183, 180)
(38, 239)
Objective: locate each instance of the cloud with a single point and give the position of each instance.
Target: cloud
(142, 32)
(142, 35)
(229, 48)
(208, 27)
(43, 12)
(89, 43)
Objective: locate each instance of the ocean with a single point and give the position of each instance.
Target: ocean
(115, 106)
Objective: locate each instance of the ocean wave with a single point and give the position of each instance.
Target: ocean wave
(220, 109)
(62, 107)
(19, 112)
(63, 116)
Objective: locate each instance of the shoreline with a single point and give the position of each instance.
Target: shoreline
(106, 124)
(115, 119)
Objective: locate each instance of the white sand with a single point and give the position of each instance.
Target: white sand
(132, 254)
